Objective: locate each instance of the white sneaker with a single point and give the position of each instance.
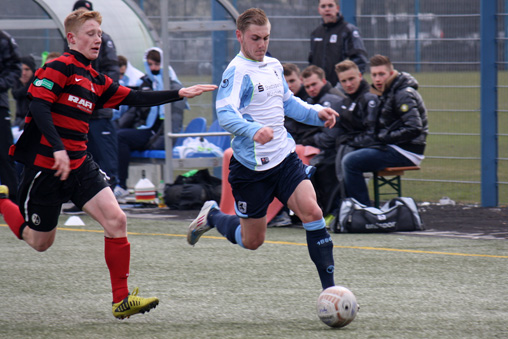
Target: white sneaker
(280, 220)
(200, 225)
(120, 194)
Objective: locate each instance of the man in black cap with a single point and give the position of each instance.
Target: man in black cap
(102, 139)
(83, 4)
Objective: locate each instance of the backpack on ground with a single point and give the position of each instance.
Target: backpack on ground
(397, 215)
(190, 192)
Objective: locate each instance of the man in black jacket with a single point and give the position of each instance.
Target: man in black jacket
(335, 40)
(358, 114)
(401, 128)
(10, 71)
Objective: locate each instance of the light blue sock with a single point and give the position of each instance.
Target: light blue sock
(238, 236)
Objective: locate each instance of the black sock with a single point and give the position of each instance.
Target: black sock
(224, 223)
(320, 247)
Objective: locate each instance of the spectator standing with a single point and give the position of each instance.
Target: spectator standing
(401, 128)
(20, 90)
(10, 72)
(335, 40)
(251, 103)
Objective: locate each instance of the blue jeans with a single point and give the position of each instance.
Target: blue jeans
(355, 163)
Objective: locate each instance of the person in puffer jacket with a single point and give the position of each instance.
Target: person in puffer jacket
(401, 128)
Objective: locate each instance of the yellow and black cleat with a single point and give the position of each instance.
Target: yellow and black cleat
(133, 304)
(4, 192)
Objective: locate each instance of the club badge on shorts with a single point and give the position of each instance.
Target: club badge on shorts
(242, 207)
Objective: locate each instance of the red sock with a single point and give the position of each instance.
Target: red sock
(118, 254)
(12, 216)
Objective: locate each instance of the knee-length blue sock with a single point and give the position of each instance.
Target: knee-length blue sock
(227, 225)
(320, 247)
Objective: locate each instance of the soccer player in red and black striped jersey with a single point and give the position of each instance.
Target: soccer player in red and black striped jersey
(52, 147)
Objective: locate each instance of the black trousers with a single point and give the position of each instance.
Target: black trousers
(8, 175)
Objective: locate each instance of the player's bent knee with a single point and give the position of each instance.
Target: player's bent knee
(116, 225)
(253, 244)
(313, 214)
(42, 246)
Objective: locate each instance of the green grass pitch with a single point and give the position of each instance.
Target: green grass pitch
(407, 286)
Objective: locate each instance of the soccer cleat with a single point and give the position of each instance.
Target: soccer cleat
(200, 224)
(4, 192)
(133, 304)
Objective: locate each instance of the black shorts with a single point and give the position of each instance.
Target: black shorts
(41, 194)
(255, 190)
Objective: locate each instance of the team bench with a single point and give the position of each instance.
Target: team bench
(196, 160)
(390, 176)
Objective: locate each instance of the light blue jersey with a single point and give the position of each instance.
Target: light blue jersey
(254, 94)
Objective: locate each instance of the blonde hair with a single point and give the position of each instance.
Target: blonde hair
(77, 18)
(252, 16)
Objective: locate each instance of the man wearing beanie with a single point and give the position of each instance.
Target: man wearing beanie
(20, 89)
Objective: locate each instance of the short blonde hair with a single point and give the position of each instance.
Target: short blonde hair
(252, 16)
(77, 18)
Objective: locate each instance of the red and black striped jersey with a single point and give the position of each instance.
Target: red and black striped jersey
(71, 90)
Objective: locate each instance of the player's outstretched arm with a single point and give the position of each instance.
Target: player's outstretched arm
(192, 91)
(141, 98)
(328, 115)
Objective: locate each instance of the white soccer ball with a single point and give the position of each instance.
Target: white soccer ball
(337, 306)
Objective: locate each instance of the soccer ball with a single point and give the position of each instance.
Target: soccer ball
(337, 306)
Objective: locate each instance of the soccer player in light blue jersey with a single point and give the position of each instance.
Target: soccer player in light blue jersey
(252, 100)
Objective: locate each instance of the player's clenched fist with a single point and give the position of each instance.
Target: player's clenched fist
(263, 135)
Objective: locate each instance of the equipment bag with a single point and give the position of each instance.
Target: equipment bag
(190, 192)
(397, 215)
